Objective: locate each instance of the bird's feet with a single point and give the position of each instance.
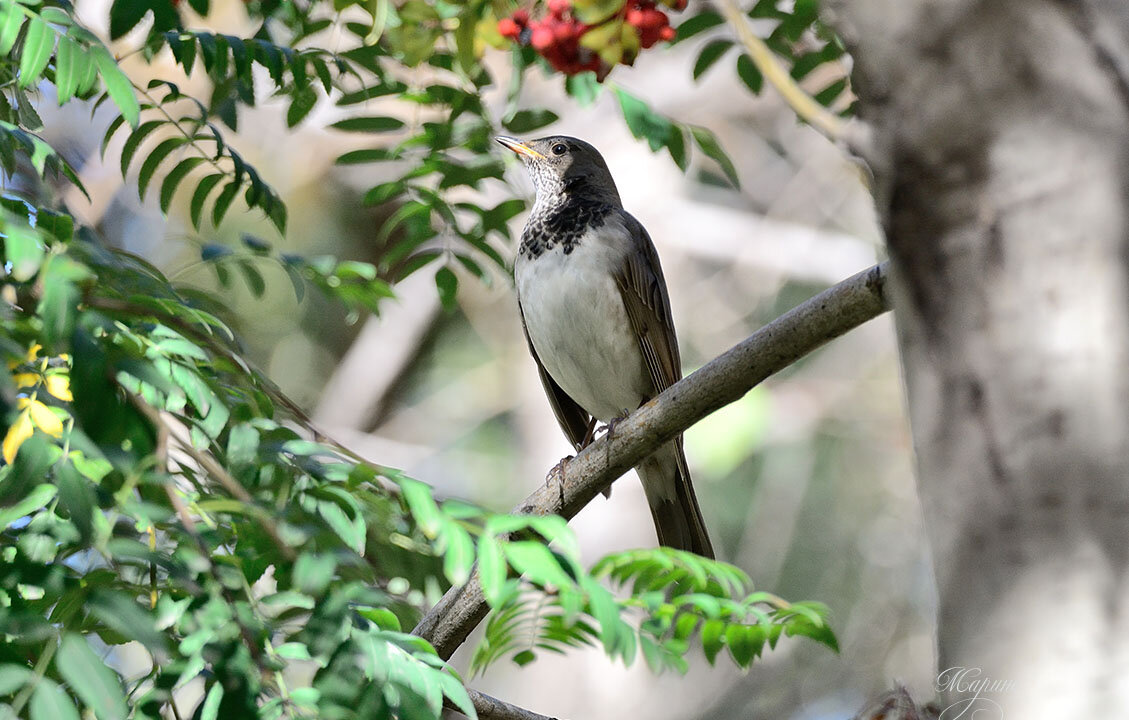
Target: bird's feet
(557, 475)
(609, 429)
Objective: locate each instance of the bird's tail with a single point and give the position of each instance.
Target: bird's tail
(678, 519)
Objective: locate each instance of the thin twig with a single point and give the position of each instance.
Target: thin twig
(723, 380)
(219, 473)
(804, 105)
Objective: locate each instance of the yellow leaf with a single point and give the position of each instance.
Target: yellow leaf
(21, 430)
(44, 419)
(25, 379)
(33, 351)
(60, 386)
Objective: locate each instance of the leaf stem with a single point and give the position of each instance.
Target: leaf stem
(765, 60)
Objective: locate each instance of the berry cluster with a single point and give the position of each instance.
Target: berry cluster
(652, 24)
(573, 46)
(556, 37)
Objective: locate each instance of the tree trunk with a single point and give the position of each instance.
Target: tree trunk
(1001, 130)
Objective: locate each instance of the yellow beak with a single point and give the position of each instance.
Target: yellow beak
(519, 147)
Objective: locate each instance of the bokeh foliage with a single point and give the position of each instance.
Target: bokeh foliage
(158, 489)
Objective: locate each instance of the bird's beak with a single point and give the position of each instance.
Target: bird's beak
(519, 147)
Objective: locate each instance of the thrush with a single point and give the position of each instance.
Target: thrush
(596, 316)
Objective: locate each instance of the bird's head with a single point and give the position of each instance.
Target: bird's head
(562, 165)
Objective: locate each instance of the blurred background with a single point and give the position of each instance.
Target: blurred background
(806, 483)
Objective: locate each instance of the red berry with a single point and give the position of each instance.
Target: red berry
(521, 17)
(508, 28)
(559, 7)
(541, 38)
(634, 16)
(667, 33)
(653, 19)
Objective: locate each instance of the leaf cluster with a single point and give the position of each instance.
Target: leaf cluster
(668, 598)
(798, 36)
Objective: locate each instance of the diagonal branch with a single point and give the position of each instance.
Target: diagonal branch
(833, 127)
(721, 381)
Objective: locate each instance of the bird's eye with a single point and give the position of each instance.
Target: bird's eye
(560, 149)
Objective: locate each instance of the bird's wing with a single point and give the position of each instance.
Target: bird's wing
(643, 289)
(573, 419)
(678, 519)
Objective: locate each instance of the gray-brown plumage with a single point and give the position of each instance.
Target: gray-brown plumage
(596, 314)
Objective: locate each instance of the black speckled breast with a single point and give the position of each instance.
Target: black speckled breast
(562, 224)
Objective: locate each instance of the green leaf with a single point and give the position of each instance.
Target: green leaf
(369, 124)
(124, 16)
(223, 202)
(699, 23)
(68, 61)
(459, 554)
(134, 141)
(39, 41)
(95, 684)
(76, 497)
(49, 702)
(643, 122)
(583, 87)
(123, 615)
(422, 506)
(312, 572)
(116, 123)
(24, 250)
(708, 143)
(710, 54)
(365, 155)
(11, 20)
(156, 155)
(385, 88)
(253, 277)
(117, 85)
(537, 563)
(201, 194)
(491, 568)
(527, 120)
(676, 146)
(210, 708)
(712, 638)
(447, 283)
(301, 104)
(744, 642)
(28, 504)
(827, 95)
(242, 444)
(749, 73)
(350, 530)
(172, 180)
(12, 678)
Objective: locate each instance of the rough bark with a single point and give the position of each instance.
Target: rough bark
(1002, 137)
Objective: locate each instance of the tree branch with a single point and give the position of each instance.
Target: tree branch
(720, 382)
(491, 708)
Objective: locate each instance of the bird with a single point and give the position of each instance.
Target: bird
(596, 316)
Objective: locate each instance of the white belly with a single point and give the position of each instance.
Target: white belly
(577, 323)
